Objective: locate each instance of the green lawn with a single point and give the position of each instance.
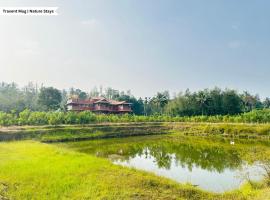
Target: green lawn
(33, 170)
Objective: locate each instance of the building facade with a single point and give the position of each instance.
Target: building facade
(99, 105)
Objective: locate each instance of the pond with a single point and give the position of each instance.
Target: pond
(215, 166)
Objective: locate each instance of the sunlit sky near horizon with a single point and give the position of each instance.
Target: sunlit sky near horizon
(144, 46)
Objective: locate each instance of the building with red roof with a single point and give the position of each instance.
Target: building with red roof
(99, 105)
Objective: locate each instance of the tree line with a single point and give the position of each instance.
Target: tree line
(14, 99)
(214, 102)
(208, 102)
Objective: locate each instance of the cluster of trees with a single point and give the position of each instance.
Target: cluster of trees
(205, 102)
(214, 102)
(35, 98)
(15, 99)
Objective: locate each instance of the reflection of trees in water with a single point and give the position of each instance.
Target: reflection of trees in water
(215, 158)
(212, 159)
(186, 155)
(162, 158)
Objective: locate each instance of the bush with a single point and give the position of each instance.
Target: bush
(28, 117)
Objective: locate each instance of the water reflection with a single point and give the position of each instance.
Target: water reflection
(186, 155)
(211, 166)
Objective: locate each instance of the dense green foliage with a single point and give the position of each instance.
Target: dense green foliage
(35, 98)
(28, 117)
(214, 102)
(49, 98)
(205, 102)
(15, 99)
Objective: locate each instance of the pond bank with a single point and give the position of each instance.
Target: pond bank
(63, 133)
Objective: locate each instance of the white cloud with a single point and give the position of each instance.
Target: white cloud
(234, 44)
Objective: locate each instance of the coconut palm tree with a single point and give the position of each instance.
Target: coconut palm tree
(203, 99)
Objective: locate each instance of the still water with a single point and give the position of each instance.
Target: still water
(215, 166)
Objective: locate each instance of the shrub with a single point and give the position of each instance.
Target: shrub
(28, 117)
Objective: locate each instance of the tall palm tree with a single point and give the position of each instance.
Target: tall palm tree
(202, 99)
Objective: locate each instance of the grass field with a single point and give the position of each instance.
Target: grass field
(35, 170)
(31, 170)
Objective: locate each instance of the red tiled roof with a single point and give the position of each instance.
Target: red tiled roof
(113, 102)
(102, 101)
(97, 100)
(80, 101)
(108, 106)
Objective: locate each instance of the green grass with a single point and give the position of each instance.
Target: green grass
(76, 133)
(235, 130)
(111, 130)
(33, 170)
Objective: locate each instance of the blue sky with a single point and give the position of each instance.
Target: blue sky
(144, 46)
